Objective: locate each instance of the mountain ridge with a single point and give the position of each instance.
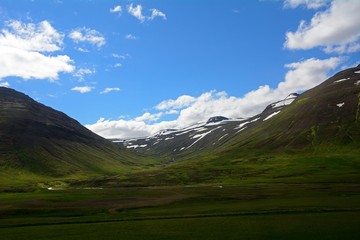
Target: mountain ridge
(221, 127)
(286, 124)
(38, 139)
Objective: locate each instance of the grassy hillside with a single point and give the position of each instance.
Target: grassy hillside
(38, 142)
(294, 176)
(321, 118)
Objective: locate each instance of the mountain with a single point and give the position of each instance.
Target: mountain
(324, 117)
(313, 137)
(36, 140)
(39, 140)
(173, 144)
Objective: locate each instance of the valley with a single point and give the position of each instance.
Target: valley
(290, 172)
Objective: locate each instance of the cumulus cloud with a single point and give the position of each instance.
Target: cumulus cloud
(116, 9)
(41, 37)
(148, 117)
(27, 65)
(82, 72)
(23, 47)
(120, 128)
(84, 89)
(307, 74)
(335, 30)
(87, 35)
(180, 102)
(107, 90)
(137, 11)
(310, 4)
(301, 76)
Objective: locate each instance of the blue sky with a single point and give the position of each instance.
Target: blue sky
(131, 68)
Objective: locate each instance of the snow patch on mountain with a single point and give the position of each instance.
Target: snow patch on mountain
(287, 101)
(136, 146)
(201, 136)
(340, 104)
(245, 123)
(223, 136)
(271, 115)
(241, 130)
(341, 80)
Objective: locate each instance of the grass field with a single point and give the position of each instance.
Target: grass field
(276, 226)
(304, 196)
(262, 211)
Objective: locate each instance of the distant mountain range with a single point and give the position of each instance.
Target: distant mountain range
(327, 115)
(38, 140)
(216, 131)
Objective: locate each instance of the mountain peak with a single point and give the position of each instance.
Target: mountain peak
(216, 119)
(292, 95)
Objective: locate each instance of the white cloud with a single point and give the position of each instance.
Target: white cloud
(148, 117)
(310, 4)
(301, 76)
(83, 89)
(120, 128)
(41, 37)
(172, 111)
(4, 84)
(336, 29)
(116, 9)
(21, 49)
(84, 50)
(82, 72)
(156, 13)
(117, 65)
(180, 102)
(120, 56)
(137, 12)
(87, 35)
(107, 90)
(27, 65)
(130, 37)
(307, 74)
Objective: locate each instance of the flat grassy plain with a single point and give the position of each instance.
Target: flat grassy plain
(276, 211)
(310, 196)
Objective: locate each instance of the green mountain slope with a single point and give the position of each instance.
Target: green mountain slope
(36, 140)
(316, 138)
(324, 117)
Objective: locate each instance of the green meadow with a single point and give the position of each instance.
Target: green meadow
(273, 197)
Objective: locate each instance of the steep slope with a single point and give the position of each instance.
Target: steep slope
(40, 140)
(325, 117)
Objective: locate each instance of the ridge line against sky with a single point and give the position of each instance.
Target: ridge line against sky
(132, 68)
